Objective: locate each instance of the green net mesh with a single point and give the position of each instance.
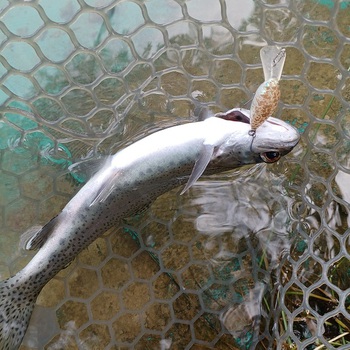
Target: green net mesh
(256, 258)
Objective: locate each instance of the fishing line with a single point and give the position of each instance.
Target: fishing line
(252, 133)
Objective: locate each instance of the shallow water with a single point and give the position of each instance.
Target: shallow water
(235, 263)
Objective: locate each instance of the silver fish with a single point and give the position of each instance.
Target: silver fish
(130, 180)
(268, 93)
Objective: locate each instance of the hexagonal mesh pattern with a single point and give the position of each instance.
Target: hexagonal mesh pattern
(257, 258)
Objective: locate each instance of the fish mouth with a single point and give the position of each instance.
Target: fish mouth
(282, 147)
(272, 155)
(276, 135)
(288, 148)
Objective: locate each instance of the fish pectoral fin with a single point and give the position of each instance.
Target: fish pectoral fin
(199, 166)
(36, 236)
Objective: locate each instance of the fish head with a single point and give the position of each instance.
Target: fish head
(272, 140)
(275, 135)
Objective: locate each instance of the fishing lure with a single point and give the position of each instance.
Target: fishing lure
(268, 94)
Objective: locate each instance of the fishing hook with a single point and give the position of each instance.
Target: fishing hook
(252, 133)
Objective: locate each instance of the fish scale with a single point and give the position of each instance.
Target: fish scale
(130, 180)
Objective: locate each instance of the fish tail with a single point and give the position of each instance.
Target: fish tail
(17, 300)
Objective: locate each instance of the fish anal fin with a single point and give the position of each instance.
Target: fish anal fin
(36, 236)
(199, 166)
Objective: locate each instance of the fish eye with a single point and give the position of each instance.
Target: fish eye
(270, 157)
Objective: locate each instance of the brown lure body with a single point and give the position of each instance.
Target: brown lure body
(265, 102)
(268, 94)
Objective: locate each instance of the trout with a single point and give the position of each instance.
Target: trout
(127, 182)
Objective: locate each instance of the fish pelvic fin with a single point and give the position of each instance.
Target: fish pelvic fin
(36, 236)
(16, 307)
(199, 166)
(106, 189)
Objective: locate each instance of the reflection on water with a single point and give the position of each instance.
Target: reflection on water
(243, 319)
(246, 214)
(254, 205)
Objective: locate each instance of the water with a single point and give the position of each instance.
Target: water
(238, 260)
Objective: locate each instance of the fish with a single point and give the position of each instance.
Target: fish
(129, 181)
(268, 94)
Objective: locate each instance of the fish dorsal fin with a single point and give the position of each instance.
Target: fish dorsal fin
(200, 165)
(203, 114)
(87, 168)
(36, 236)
